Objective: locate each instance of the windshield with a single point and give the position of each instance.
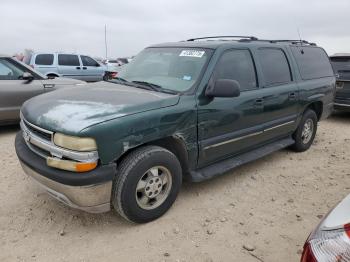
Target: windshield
(175, 69)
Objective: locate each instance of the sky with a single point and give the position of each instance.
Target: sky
(78, 25)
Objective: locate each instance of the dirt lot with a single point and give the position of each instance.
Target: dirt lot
(270, 204)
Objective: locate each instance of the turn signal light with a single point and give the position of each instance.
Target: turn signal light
(70, 165)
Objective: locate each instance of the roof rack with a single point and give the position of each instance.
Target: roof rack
(249, 38)
(294, 42)
(253, 38)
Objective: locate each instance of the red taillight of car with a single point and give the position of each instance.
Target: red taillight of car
(114, 74)
(328, 245)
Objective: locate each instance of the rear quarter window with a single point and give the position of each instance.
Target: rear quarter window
(313, 62)
(44, 59)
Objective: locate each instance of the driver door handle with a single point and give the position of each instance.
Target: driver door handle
(78, 67)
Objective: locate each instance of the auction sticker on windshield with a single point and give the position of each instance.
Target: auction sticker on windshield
(192, 53)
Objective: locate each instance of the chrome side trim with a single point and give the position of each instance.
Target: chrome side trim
(278, 126)
(249, 135)
(343, 105)
(56, 151)
(233, 140)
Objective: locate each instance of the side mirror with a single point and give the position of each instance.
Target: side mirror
(28, 77)
(223, 88)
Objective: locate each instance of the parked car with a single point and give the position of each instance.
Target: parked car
(75, 66)
(18, 83)
(188, 110)
(330, 241)
(341, 66)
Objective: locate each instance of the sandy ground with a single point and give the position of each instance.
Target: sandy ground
(271, 204)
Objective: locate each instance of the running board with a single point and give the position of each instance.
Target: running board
(229, 164)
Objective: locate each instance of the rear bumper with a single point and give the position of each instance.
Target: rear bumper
(88, 191)
(342, 104)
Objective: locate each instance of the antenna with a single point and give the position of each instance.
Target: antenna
(299, 35)
(106, 40)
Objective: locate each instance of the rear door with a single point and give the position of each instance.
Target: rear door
(229, 126)
(279, 93)
(92, 70)
(14, 91)
(69, 66)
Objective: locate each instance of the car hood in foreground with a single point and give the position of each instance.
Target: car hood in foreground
(59, 81)
(71, 110)
(339, 216)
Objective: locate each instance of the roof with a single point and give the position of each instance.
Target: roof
(341, 55)
(3, 55)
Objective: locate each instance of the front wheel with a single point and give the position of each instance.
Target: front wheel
(306, 132)
(147, 184)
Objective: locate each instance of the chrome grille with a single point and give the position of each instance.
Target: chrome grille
(40, 132)
(40, 141)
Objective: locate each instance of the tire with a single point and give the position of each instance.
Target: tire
(302, 141)
(146, 168)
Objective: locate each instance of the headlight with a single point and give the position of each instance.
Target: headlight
(75, 143)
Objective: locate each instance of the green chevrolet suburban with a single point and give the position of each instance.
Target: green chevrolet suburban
(188, 110)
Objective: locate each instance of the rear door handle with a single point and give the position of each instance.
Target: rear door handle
(84, 67)
(259, 102)
(78, 67)
(292, 95)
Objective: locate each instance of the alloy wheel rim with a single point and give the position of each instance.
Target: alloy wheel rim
(308, 131)
(153, 188)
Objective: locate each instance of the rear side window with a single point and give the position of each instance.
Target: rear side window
(237, 65)
(313, 62)
(88, 61)
(275, 66)
(68, 60)
(44, 59)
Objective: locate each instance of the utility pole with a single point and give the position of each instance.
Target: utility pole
(106, 41)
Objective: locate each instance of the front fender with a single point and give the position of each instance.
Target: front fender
(115, 137)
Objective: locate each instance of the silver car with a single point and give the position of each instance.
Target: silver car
(19, 82)
(75, 66)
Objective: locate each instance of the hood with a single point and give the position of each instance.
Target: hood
(71, 110)
(59, 81)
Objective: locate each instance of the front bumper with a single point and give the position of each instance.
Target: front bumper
(89, 191)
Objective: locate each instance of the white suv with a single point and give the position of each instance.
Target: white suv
(76, 66)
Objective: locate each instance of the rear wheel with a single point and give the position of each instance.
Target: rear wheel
(147, 184)
(306, 132)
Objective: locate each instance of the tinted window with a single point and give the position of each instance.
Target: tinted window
(68, 60)
(45, 59)
(313, 62)
(9, 71)
(237, 65)
(88, 61)
(274, 66)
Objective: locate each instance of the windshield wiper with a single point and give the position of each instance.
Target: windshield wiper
(155, 87)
